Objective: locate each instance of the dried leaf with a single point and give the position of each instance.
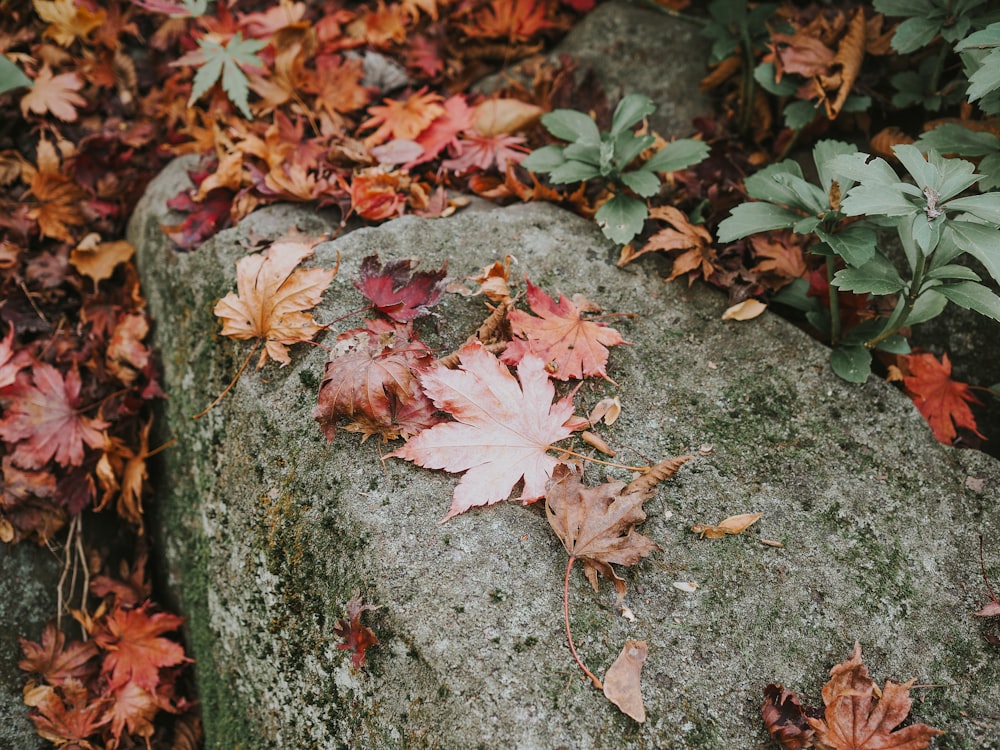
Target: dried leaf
(943, 402)
(398, 290)
(136, 650)
(571, 346)
(748, 309)
(54, 94)
(503, 433)
(273, 297)
(732, 525)
(97, 259)
(622, 681)
(597, 524)
(785, 718)
(860, 717)
(357, 637)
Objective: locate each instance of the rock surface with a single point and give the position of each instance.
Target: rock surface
(267, 529)
(28, 578)
(625, 45)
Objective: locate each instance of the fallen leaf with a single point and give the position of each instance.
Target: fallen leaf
(372, 379)
(504, 428)
(748, 309)
(992, 609)
(404, 119)
(943, 402)
(57, 662)
(65, 715)
(54, 94)
(597, 524)
(399, 291)
(731, 525)
(608, 409)
(45, 422)
(67, 21)
(134, 646)
(785, 718)
(688, 587)
(502, 116)
(97, 259)
(357, 637)
(622, 681)
(860, 717)
(272, 298)
(571, 346)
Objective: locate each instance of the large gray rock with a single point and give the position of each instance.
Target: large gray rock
(267, 528)
(29, 577)
(628, 47)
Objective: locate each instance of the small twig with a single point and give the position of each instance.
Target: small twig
(982, 564)
(567, 451)
(65, 572)
(569, 635)
(232, 382)
(81, 554)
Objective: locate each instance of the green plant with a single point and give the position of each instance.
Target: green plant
(608, 155)
(858, 201)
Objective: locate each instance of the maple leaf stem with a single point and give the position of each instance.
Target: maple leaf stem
(569, 635)
(567, 451)
(232, 382)
(986, 578)
(168, 444)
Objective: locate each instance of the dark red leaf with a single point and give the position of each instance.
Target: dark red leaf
(397, 290)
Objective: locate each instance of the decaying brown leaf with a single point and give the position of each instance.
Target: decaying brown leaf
(860, 717)
(622, 681)
(748, 309)
(785, 718)
(731, 525)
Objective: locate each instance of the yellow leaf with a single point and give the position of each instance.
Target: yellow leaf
(502, 116)
(66, 21)
(622, 682)
(748, 309)
(732, 525)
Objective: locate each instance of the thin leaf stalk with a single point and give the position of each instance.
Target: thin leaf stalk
(747, 94)
(585, 457)
(911, 299)
(832, 293)
(232, 382)
(569, 634)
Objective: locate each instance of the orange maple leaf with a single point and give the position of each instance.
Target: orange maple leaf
(54, 94)
(135, 649)
(855, 719)
(504, 428)
(678, 234)
(570, 345)
(782, 255)
(59, 197)
(514, 20)
(56, 662)
(943, 402)
(405, 118)
(273, 297)
(66, 715)
(357, 637)
(67, 21)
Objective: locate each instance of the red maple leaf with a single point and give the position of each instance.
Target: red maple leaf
(45, 422)
(205, 218)
(371, 379)
(571, 345)
(943, 402)
(504, 429)
(66, 715)
(136, 652)
(357, 637)
(397, 290)
(56, 662)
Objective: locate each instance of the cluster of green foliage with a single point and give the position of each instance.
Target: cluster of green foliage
(608, 156)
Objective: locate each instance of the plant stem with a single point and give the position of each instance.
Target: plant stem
(935, 81)
(911, 299)
(747, 95)
(232, 382)
(569, 635)
(643, 469)
(832, 293)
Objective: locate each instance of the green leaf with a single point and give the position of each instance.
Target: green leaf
(952, 138)
(627, 147)
(798, 114)
(852, 363)
(986, 79)
(621, 218)
(928, 305)
(862, 167)
(751, 218)
(865, 200)
(988, 37)
(914, 33)
(545, 159)
(877, 276)
(573, 171)
(985, 206)
(630, 110)
(764, 75)
(227, 61)
(855, 243)
(823, 153)
(645, 183)
(11, 76)
(572, 126)
(972, 296)
(980, 241)
(588, 153)
(895, 344)
(954, 271)
(680, 154)
(796, 295)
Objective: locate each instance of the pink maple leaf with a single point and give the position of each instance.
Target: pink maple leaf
(503, 432)
(45, 422)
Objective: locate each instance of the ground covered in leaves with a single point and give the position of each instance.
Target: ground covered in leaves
(364, 107)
